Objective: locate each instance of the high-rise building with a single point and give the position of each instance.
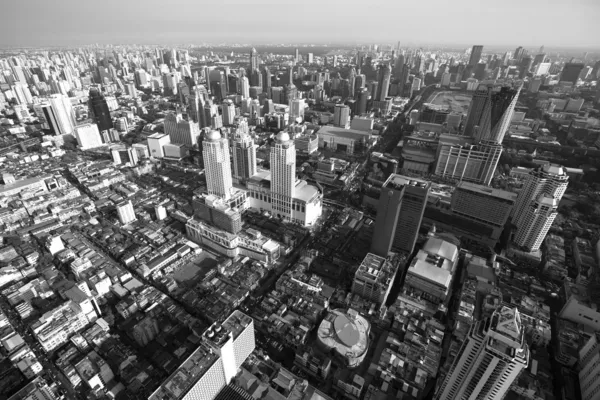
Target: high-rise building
(399, 214)
(245, 87)
(211, 367)
(475, 55)
(482, 204)
(99, 109)
(181, 131)
(490, 359)
(244, 157)
(297, 109)
(589, 368)
(88, 136)
(126, 212)
(383, 82)
(490, 112)
(217, 165)
(537, 205)
(57, 115)
(341, 116)
(283, 175)
(228, 109)
(253, 60)
(266, 80)
(570, 72)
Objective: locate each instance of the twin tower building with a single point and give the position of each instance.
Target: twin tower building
(276, 191)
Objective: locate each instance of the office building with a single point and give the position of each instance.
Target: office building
(217, 165)
(181, 131)
(218, 212)
(430, 276)
(228, 109)
(156, 142)
(490, 359)
(384, 75)
(490, 112)
(245, 87)
(88, 136)
(537, 205)
(253, 60)
(589, 368)
(374, 278)
(399, 214)
(297, 109)
(266, 80)
(459, 159)
(99, 109)
(222, 351)
(341, 116)
(126, 212)
(482, 204)
(283, 175)
(244, 158)
(56, 114)
(475, 55)
(571, 72)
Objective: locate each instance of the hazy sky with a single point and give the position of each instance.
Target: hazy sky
(495, 23)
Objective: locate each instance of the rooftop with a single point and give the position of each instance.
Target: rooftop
(486, 190)
(341, 132)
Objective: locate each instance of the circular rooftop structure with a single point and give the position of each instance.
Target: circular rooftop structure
(213, 135)
(346, 331)
(283, 137)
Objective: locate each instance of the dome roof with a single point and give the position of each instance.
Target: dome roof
(283, 137)
(213, 135)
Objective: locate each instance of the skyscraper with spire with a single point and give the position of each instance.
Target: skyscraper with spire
(490, 359)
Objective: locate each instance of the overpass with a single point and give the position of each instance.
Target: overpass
(23, 144)
(558, 148)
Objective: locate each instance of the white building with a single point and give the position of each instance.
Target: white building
(156, 142)
(126, 212)
(245, 87)
(88, 136)
(537, 204)
(589, 368)
(297, 109)
(283, 175)
(223, 349)
(217, 165)
(490, 359)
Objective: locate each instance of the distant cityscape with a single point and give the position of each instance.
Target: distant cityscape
(310, 222)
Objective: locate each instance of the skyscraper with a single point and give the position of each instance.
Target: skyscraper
(383, 82)
(283, 175)
(266, 80)
(490, 112)
(244, 157)
(570, 72)
(217, 165)
(253, 60)
(490, 358)
(245, 86)
(475, 55)
(399, 214)
(537, 204)
(228, 109)
(99, 109)
(58, 114)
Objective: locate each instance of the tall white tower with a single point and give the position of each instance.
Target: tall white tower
(490, 359)
(536, 206)
(245, 87)
(283, 175)
(217, 165)
(63, 114)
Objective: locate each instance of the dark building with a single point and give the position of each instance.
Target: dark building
(266, 80)
(363, 98)
(99, 110)
(571, 72)
(217, 213)
(399, 214)
(475, 55)
(384, 75)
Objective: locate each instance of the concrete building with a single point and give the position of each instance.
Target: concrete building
(341, 116)
(181, 131)
(283, 175)
(228, 109)
(399, 214)
(244, 157)
(55, 327)
(218, 212)
(347, 334)
(589, 368)
(156, 142)
(374, 278)
(212, 366)
(126, 212)
(350, 141)
(490, 358)
(217, 165)
(537, 204)
(483, 204)
(88, 136)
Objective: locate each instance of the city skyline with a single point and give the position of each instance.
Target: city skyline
(67, 23)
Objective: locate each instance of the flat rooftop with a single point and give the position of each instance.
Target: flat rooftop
(345, 133)
(486, 190)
